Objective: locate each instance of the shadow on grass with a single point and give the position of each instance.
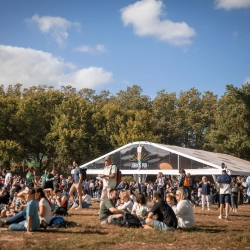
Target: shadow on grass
(205, 229)
(65, 231)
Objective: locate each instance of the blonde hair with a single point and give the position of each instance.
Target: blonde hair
(183, 193)
(204, 178)
(124, 195)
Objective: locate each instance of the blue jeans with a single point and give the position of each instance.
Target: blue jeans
(161, 226)
(19, 217)
(85, 205)
(18, 227)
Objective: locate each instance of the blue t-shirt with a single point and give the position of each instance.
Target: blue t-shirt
(77, 172)
(32, 210)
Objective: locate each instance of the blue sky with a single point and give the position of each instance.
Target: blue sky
(109, 45)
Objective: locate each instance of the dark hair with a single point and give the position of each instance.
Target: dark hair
(182, 171)
(224, 171)
(85, 191)
(140, 198)
(77, 162)
(42, 194)
(112, 190)
(157, 195)
(32, 190)
(57, 190)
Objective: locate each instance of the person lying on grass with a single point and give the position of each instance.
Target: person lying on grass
(108, 211)
(166, 219)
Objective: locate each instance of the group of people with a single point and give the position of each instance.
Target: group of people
(30, 204)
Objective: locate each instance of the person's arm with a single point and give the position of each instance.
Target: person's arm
(41, 211)
(114, 210)
(29, 225)
(60, 203)
(150, 215)
(179, 210)
(110, 175)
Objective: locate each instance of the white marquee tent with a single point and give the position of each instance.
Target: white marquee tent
(146, 158)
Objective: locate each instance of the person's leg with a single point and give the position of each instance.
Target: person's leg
(104, 195)
(85, 205)
(21, 216)
(72, 197)
(222, 201)
(18, 227)
(202, 202)
(208, 201)
(79, 191)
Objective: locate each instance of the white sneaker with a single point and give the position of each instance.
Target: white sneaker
(74, 205)
(227, 216)
(79, 208)
(208, 208)
(220, 217)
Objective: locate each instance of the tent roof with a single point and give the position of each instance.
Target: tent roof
(235, 166)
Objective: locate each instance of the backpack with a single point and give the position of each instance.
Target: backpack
(127, 220)
(118, 175)
(84, 173)
(58, 222)
(169, 217)
(186, 182)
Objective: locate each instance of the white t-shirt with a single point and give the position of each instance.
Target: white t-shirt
(109, 182)
(47, 216)
(225, 188)
(126, 206)
(7, 178)
(87, 198)
(140, 210)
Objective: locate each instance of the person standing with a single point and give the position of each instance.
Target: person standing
(160, 184)
(108, 178)
(225, 184)
(77, 185)
(44, 176)
(205, 192)
(30, 177)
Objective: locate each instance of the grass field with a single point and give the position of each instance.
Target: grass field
(87, 233)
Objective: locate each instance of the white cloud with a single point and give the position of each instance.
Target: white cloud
(88, 49)
(56, 27)
(231, 4)
(145, 15)
(32, 67)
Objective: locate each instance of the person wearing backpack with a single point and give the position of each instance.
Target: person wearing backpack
(166, 219)
(108, 178)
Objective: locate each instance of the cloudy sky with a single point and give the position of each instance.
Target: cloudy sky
(170, 44)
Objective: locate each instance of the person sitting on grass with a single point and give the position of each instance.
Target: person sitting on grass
(32, 222)
(61, 202)
(184, 210)
(166, 219)
(86, 199)
(171, 200)
(108, 211)
(125, 203)
(44, 207)
(140, 207)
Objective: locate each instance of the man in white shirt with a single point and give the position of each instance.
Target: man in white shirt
(108, 178)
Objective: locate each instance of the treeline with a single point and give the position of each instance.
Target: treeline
(68, 124)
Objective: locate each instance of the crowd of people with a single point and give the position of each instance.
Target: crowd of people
(165, 203)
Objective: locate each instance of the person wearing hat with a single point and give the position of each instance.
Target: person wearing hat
(30, 177)
(108, 178)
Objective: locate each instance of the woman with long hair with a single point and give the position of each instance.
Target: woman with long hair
(44, 207)
(205, 192)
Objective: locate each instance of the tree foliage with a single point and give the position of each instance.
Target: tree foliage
(67, 124)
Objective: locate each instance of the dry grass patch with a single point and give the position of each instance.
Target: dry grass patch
(85, 232)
